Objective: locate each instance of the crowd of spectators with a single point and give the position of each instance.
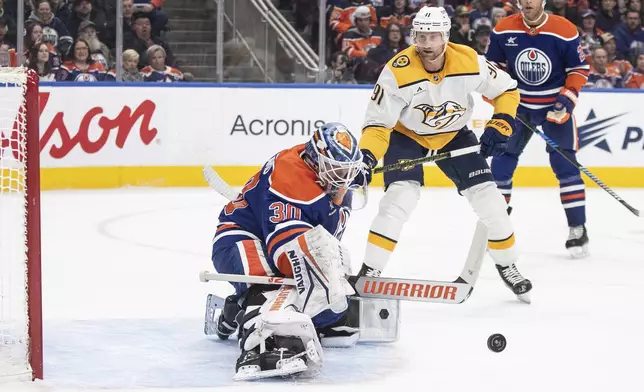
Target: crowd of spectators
(364, 34)
(75, 40)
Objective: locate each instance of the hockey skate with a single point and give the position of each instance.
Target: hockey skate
(577, 243)
(519, 285)
(281, 357)
(365, 270)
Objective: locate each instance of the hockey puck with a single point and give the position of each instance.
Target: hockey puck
(496, 342)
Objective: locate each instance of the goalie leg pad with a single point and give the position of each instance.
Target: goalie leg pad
(278, 340)
(490, 206)
(367, 320)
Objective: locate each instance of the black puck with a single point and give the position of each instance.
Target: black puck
(496, 342)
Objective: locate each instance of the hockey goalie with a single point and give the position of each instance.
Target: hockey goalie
(287, 222)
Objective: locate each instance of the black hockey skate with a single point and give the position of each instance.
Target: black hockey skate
(577, 243)
(519, 285)
(365, 270)
(284, 356)
(226, 324)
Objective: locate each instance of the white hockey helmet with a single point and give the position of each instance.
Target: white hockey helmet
(361, 12)
(431, 20)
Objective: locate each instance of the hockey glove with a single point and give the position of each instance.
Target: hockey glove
(369, 161)
(498, 130)
(564, 106)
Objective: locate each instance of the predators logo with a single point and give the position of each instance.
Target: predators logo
(440, 117)
(401, 62)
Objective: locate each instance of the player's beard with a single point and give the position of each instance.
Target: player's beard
(431, 55)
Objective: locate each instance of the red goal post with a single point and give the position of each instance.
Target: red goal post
(21, 349)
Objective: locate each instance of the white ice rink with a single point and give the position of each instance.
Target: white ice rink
(123, 307)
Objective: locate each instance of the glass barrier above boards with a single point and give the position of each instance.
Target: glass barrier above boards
(297, 41)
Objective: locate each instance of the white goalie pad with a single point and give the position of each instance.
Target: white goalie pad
(319, 262)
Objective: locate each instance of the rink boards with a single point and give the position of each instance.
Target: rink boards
(105, 136)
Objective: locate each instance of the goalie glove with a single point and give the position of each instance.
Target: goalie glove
(564, 105)
(498, 130)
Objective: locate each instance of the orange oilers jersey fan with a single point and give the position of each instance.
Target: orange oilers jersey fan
(431, 108)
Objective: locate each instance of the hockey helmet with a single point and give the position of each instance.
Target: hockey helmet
(431, 20)
(333, 152)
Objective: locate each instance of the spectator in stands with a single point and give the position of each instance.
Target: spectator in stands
(628, 33)
(81, 68)
(563, 9)
(128, 33)
(589, 34)
(393, 43)
(342, 20)
(53, 29)
(399, 13)
(483, 11)
(152, 9)
(39, 62)
(498, 14)
(359, 40)
(143, 39)
(340, 72)
(62, 9)
(635, 5)
(5, 42)
(98, 50)
(83, 11)
(158, 71)
(636, 78)
(616, 60)
(608, 16)
(460, 33)
(9, 24)
(482, 39)
(130, 67)
(601, 76)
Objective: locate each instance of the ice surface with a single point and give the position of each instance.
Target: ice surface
(123, 307)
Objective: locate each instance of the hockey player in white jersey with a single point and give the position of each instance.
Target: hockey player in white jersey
(422, 102)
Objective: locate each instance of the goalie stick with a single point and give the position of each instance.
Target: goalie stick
(579, 166)
(455, 292)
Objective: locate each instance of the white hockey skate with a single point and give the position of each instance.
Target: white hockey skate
(577, 243)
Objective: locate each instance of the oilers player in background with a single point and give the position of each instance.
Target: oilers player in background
(543, 53)
(287, 222)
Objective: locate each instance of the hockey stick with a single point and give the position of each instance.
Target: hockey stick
(432, 158)
(218, 184)
(455, 292)
(579, 166)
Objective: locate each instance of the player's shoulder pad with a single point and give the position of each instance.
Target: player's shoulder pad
(293, 180)
(511, 24)
(460, 60)
(560, 27)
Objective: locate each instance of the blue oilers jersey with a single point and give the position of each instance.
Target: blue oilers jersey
(279, 203)
(542, 60)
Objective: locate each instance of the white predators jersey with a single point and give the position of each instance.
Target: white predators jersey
(431, 107)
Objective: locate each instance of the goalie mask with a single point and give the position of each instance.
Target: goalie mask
(333, 152)
(430, 32)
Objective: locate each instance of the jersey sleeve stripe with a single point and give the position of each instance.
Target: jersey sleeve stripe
(281, 226)
(284, 237)
(238, 232)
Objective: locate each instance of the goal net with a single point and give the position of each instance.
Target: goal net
(20, 297)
